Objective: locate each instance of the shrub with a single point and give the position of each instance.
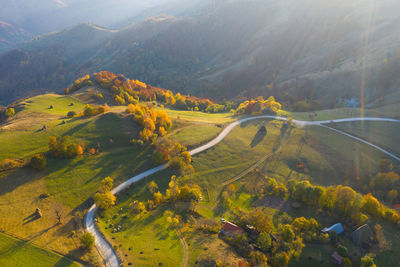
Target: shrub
(7, 164)
(38, 161)
(367, 261)
(87, 240)
(342, 250)
(10, 112)
(71, 114)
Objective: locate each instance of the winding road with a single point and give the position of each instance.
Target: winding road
(110, 258)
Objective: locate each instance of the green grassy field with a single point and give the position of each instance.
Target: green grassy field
(144, 241)
(384, 134)
(194, 135)
(15, 252)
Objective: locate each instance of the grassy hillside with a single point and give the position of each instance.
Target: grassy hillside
(378, 132)
(244, 158)
(14, 252)
(68, 183)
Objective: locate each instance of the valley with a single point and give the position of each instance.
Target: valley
(239, 158)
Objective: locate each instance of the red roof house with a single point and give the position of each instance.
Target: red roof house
(230, 229)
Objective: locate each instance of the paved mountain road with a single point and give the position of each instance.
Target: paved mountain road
(109, 256)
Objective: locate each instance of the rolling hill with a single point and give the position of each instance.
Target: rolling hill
(10, 36)
(295, 50)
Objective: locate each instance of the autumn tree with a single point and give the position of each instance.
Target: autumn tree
(367, 261)
(106, 184)
(63, 147)
(371, 205)
(153, 187)
(10, 112)
(104, 200)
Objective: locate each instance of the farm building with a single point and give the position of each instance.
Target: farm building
(362, 235)
(336, 258)
(337, 227)
(231, 229)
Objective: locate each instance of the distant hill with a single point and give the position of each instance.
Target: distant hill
(10, 36)
(52, 15)
(317, 51)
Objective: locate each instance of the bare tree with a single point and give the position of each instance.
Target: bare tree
(58, 212)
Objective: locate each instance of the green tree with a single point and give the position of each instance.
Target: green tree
(280, 259)
(258, 219)
(342, 250)
(38, 161)
(257, 258)
(264, 241)
(286, 233)
(87, 240)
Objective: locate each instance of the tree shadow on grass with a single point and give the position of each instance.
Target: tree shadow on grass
(76, 128)
(262, 132)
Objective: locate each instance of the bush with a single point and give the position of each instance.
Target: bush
(87, 240)
(367, 261)
(342, 250)
(71, 114)
(10, 112)
(38, 161)
(7, 164)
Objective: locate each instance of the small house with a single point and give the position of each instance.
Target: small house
(362, 235)
(231, 229)
(337, 227)
(336, 258)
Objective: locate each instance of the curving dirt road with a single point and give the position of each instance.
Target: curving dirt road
(110, 257)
